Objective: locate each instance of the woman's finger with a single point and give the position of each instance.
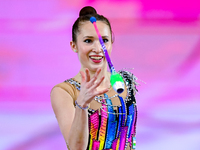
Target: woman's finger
(92, 81)
(101, 92)
(87, 75)
(82, 76)
(97, 72)
(97, 83)
(94, 78)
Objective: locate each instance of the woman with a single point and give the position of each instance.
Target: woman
(90, 114)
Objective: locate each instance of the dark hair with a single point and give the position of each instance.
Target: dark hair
(84, 15)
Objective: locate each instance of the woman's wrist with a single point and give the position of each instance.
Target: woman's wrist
(81, 103)
(83, 107)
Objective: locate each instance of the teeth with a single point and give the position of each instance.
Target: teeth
(96, 58)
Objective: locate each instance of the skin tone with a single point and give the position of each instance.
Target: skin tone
(94, 79)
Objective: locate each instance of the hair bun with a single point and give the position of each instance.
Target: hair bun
(88, 10)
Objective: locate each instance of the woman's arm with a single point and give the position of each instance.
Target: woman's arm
(73, 122)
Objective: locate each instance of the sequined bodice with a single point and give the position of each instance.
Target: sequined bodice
(113, 127)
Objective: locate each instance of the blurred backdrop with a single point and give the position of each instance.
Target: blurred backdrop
(159, 39)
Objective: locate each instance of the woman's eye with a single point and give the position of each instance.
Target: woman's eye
(88, 41)
(105, 40)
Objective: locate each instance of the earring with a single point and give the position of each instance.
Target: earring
(75, 51)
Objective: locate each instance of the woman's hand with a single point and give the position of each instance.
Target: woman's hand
(89, 87)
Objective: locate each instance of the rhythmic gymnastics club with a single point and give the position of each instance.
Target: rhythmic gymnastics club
(116, 79)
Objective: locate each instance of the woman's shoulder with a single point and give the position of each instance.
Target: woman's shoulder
(63, 85)
(130, 81)
(127, 75)
(68, 86)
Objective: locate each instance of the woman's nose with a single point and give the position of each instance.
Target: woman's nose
(97, 47)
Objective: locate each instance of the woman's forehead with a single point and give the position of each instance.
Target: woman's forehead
(87, 29)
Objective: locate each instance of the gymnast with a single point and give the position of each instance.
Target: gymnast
(91, 114)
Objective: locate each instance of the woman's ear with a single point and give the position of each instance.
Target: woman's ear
(73, 46)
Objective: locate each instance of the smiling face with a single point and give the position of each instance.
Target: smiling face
(88, 47)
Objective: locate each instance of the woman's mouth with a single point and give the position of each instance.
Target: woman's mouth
(96, 59)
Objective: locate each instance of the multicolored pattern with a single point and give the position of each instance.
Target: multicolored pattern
(113, 129)
(111, 125)
(93, 128)
(103, 127)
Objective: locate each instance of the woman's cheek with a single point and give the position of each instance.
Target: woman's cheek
(109, 49)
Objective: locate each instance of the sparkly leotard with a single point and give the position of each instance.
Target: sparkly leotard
(113, 125)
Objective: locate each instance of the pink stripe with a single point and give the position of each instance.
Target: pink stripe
(123, 137)
(95, 145)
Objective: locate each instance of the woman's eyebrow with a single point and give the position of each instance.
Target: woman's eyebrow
(105, 36)
(93, 37)
(87, 37)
